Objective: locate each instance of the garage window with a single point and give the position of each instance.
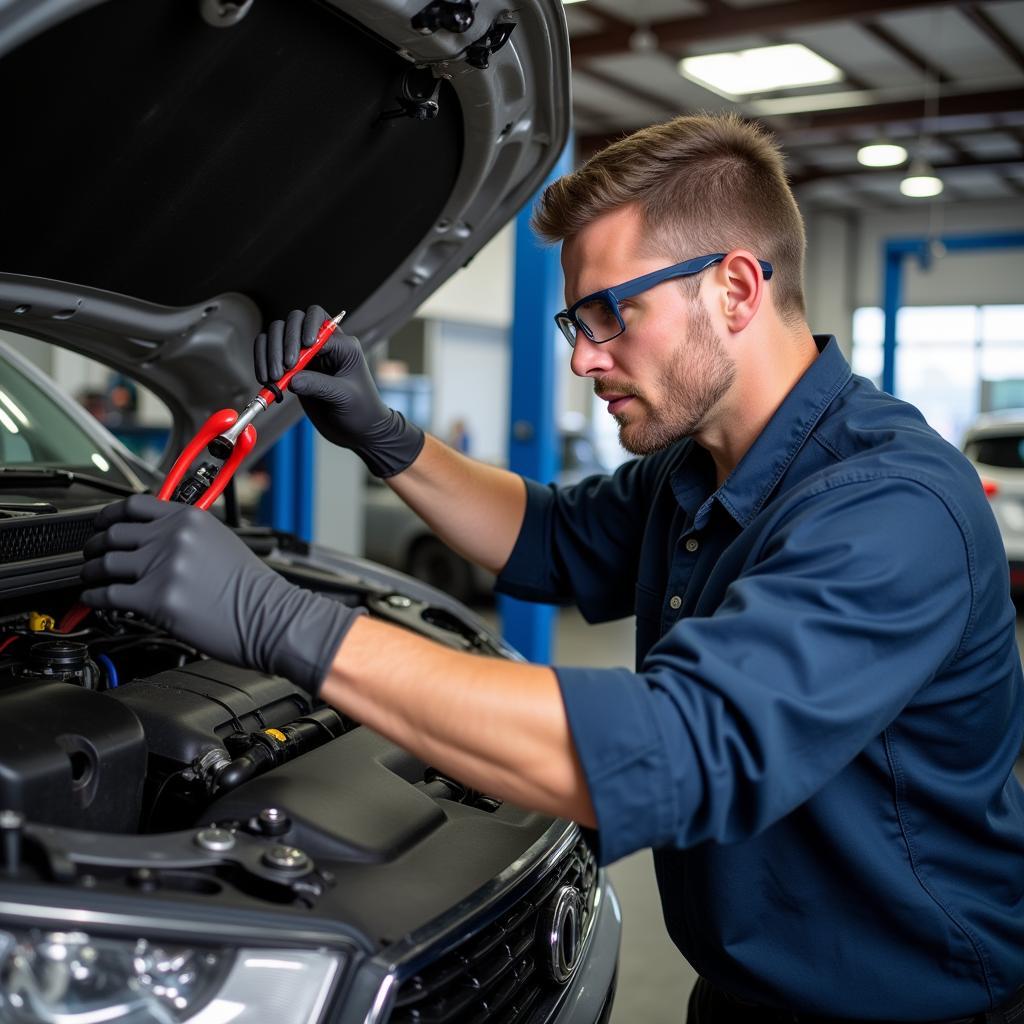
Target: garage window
(952, 362)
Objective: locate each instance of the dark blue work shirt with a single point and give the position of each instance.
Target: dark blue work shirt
(819, 737)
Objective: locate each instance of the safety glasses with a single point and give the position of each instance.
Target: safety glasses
(598, 315)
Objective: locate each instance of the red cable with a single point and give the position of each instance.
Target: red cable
(73, 617)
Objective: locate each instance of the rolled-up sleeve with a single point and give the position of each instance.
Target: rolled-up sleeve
(858, 594)
(581, 544)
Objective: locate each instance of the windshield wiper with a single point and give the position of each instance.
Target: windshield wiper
(60, 478)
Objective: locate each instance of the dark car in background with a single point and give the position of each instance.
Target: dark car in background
(185, 841)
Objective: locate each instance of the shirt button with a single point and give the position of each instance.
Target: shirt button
(675, 603)
(692, 544)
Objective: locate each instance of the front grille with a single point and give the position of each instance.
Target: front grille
(498, 974)
(21, 541)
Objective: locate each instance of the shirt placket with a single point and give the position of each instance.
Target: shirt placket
(680, 593)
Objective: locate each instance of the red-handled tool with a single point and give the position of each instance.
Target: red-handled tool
(229, 437)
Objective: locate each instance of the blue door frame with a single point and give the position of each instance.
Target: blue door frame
(895, 251)
(533, 432)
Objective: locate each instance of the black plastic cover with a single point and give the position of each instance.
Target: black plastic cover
(70, 757)
(189, 711)
(354, 799)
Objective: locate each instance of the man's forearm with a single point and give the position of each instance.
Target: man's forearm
(475, 508)
(496, 726)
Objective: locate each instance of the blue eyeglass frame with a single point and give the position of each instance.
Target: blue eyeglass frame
(569, 325)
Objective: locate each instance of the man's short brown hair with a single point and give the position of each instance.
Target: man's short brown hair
(703, 183)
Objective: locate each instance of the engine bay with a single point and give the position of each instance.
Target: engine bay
(133, 759)
(121, 728)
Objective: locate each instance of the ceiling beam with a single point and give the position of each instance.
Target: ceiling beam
(663, 106)
(909, 112)
(962, 104)
(908, 53)
(721, 23)
(998, 166)
(984, 23)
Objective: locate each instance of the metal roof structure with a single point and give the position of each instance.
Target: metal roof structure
(944, 78)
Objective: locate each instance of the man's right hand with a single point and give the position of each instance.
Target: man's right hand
(337, 392)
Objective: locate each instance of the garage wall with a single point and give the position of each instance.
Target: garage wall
(482, 295)
(830, 274)
(845, 264)
(469, 366)
(960, 279)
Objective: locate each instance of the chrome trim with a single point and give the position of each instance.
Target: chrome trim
(588, 936)
(564, 934)
(606, 917)
(192, 928)
(382, 1002)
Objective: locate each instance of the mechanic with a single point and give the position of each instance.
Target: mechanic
(819, 735)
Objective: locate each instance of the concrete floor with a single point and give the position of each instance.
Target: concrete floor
(654, 980)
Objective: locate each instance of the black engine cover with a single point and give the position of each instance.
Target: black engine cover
(71, 757)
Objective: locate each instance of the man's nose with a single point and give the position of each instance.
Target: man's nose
(589, 358)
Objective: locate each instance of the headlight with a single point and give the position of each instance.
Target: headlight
(49, 977)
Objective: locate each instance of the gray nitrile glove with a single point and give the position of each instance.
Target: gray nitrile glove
(183, 570)
(337, 392)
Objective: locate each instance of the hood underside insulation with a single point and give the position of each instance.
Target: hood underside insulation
(153, 155)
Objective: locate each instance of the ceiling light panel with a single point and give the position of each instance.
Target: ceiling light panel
(882, 154)
(766, 69)
(921, 181)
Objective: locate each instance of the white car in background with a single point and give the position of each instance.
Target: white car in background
(995, 444)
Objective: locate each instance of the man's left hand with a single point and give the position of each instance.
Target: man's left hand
(183, 570)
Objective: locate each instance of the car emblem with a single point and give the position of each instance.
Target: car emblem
(561, 936)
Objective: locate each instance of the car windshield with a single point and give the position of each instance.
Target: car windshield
(37, 430)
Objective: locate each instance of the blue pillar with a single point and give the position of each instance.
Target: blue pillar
(304, 440)
(533, 437)
(893, 252)
(892, 291)
(288, 506)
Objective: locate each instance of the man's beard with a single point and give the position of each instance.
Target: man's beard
(695, 380)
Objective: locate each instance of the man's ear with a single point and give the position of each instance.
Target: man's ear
(742, 288)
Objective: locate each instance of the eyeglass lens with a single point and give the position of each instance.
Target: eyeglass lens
(599, 319)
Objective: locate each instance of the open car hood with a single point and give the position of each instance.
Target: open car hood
(180, 172)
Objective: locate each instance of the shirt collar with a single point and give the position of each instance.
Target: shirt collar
(750, 484)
